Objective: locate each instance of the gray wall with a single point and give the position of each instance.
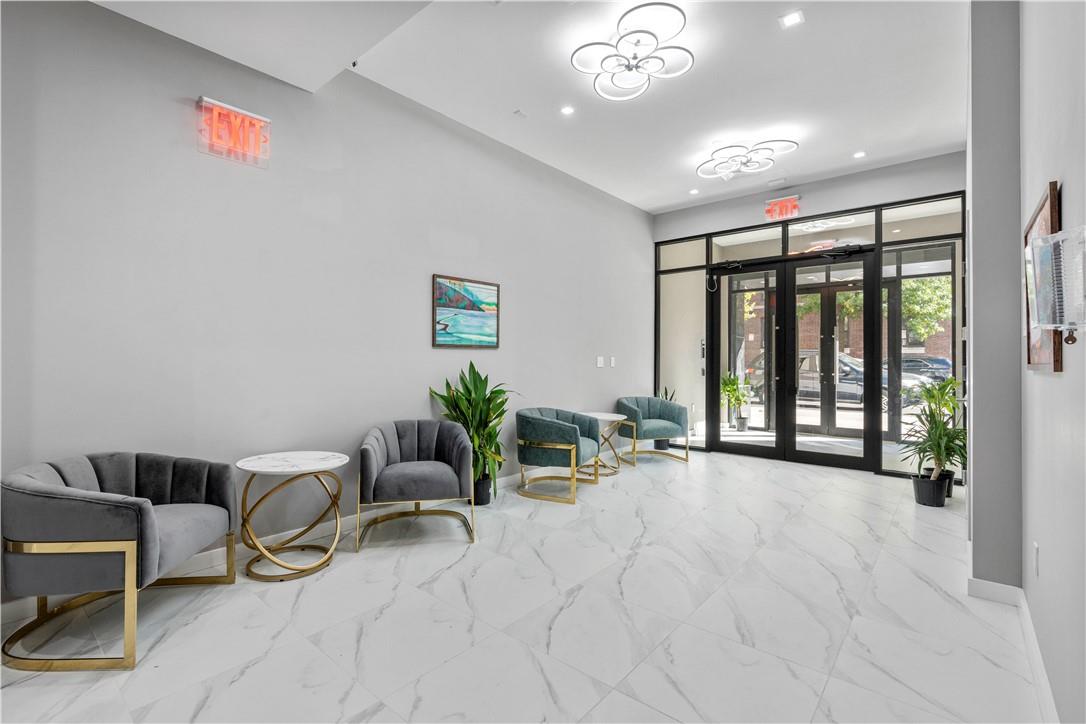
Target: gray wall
(994, 295)
(902, 181)
(156, 298)
(1053, 461)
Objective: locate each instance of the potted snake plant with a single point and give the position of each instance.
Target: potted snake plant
(936, 441)
(480, 409)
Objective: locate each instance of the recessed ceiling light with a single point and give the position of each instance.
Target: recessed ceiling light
(859, 154)
(567, 110)
(791, 19)
(694, 192)
(895, 231)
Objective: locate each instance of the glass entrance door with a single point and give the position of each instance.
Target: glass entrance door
(833, 382)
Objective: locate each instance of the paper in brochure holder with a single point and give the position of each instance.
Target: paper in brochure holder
(1057, 274)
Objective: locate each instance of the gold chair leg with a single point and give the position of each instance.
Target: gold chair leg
(418, 512)
(224, 580)
(44, 614)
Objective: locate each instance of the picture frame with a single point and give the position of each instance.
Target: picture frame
(465, 313)
(1044, 347)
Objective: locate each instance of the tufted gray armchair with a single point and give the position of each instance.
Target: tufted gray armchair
(549, 437)
(652, 418)
(108, 523)
(412, 461)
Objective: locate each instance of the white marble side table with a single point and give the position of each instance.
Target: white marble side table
(300, 464)
(609, 425)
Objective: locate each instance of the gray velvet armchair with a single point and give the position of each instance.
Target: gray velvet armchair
(652, 418)
(415, 461)
(549, 437)
(104, 524)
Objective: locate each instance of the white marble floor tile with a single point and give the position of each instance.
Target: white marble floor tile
(656, 583)
(785, 605)
(499, 680)
(394, 644)
(845, 703)
(823, 541)
(294, 683)
(64, 697)
(496, 589)
(617, 708)
(713, 549)
(192, 648)
(935, 674)
(571, 554)
(67, 636)
(603, 636)
(344, 589)
(698, 676)
(926, 593)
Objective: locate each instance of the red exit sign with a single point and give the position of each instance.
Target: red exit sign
(229, 132)
(786, 208)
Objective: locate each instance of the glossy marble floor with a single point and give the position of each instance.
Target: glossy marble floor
(731, 589)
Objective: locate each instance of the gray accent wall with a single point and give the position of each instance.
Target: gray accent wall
(159, 299)
(994, 297)
(1053, 148)
(935, 175)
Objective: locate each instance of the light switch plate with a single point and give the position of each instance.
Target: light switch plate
(612, 361)
(599, 361)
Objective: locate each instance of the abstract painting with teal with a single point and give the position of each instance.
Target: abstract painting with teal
(465, 313)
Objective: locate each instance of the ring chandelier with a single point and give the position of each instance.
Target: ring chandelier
(728, 161)
(623, 69)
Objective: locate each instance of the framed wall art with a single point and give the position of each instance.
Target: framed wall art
(466, 313)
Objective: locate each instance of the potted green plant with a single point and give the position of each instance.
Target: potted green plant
(480, 408)
(735, 394)
(936, 437)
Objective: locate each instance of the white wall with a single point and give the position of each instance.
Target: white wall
(940, 174)
(1053, 147)
(993, 293)
(159, 299)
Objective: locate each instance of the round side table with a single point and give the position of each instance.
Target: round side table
(610, 422)
(299, 465)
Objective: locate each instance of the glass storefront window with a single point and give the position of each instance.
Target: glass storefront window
(754, 244)
(681, 254)
(831, 233)
(682, 345)
(932, 218)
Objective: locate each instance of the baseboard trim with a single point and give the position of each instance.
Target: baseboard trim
(1002, 593)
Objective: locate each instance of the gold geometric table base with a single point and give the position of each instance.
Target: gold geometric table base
(268, 552)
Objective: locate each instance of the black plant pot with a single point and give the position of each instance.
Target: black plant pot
(482, 491)
(947, 476)
(929, 492)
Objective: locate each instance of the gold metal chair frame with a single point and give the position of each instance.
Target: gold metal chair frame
(360, 531)
(45, 614)
(634, 452)
(573, 478)
(267, 552)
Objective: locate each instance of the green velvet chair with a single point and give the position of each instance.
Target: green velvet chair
(651, 418)
(547, 437)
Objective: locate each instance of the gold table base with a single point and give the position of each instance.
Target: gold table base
(268, 552)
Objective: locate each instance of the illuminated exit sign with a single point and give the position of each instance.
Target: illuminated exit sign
(229, 132)
(786, 208)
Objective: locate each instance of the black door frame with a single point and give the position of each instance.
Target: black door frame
(785, 372)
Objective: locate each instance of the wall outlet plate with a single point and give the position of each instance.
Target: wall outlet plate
(599, 361)
(612, 361)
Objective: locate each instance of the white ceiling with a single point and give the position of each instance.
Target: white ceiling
(303, 43)
(885, 77)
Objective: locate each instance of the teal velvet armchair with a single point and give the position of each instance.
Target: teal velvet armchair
(547, 437)
(651, 418)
